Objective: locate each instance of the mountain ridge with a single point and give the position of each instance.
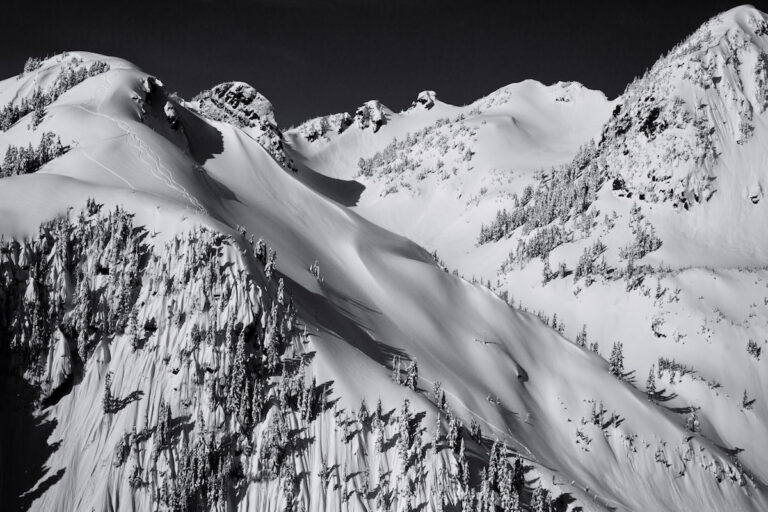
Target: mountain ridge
(214, 307)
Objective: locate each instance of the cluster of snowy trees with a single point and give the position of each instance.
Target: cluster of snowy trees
(97, 278)
(587, 265)
(82, 278)
(320, 127)
(560, 195)
(71, 74)
(25, 160)
(502, 486)
(505, 222)
(539, 244)
(68, 258)
(446, 139)
(754, 349)
(761, 77)
(32, 64)
(411, 379)
(645, 240)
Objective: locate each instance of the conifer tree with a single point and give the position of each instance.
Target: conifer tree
(463, 465)
(474, 430)
(438, 394)
(616, 362)
(108, 400)
(362, 413)
(260, 251)
(314, 269)
(546, 272)
(468, 499)
(379, 437)
(650, 384)
(164, 425)
(581, 337)
(257, 402)
(746, 403)
(404, 430)
(412, 375)
(396, 369)
(238, 376)
(38, 113)
(518, 475)
(540, 501)
(454, 432)
(436, 433)
(271, 265)
(133, 329)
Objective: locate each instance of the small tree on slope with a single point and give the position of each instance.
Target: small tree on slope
(616, 362)
(650, 385)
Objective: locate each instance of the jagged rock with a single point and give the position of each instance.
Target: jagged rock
(321, 127)
(425, 99)
(241, 105)
(170, 114)
(372, 114)
(150, 84)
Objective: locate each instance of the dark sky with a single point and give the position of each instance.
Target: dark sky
(312, 57)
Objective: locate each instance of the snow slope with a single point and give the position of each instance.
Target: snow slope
(187, 179)
(685, 145)
(463, 162)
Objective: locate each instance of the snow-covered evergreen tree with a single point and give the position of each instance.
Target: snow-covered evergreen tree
(616, 361)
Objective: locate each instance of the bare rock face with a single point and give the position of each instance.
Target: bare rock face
(372, 115)
(425, 100)
(241, 105)
(170, 114)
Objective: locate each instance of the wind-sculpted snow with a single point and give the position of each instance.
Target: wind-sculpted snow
(641, 241)
(210, 332)
(229, 414)
(175, 364)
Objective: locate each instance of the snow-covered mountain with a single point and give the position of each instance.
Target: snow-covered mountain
(544, 300)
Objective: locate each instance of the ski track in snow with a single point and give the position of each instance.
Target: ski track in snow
(156, 167)
(89, 157)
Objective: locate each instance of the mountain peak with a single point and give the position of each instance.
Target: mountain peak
(240, 101)
(702, 97)
(425, 100)
(745, 18)
(372, 114)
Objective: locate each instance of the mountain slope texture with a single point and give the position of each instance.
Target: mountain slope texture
(545, 300)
